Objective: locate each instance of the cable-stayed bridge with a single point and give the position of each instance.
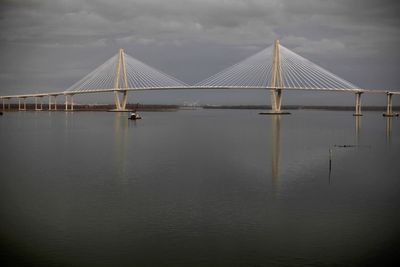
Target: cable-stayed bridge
(276, 68)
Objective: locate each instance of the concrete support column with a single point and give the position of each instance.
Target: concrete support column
(358, 104)
(24, 103)
(120, 104)
(49, 102)
(52, 103)
(66, 102)
(4, 104)
(124, 100)
(36, 103)
(116, 100)
(276, 100)
(389, 107)
(69, 105)
(9, 104)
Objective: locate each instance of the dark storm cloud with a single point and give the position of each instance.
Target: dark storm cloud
(240, 21)
(354, 33)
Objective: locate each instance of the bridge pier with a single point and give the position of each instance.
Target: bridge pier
(276, 104)
(24, 104)
(389, 107)
(36, 104)
(120, 104)
(4, 104)
(71, 103)
(358, 104)
(66, 102)
(276, 100)
(51, 103)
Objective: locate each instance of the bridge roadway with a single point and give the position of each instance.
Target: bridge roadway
(358, 92)
(281, 68)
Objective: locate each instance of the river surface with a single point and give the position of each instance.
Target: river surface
(199, 188)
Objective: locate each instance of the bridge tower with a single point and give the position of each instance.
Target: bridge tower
(276, 82)
(120, 104)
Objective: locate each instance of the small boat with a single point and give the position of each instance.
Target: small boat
(134, 116)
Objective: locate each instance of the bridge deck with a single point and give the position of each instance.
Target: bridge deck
(93, 91)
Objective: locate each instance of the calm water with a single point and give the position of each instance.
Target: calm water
(199, 188)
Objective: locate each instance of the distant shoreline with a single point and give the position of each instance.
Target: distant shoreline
(301, 107)
(161, 107)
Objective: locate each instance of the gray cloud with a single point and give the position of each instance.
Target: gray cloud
(51, 43)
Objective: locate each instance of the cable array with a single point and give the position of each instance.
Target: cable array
(254, 71)
(297, 72)
(139, 75)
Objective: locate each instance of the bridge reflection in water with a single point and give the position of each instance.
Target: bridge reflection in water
(120, 137)
(122, 124)
(357, 120)
(275, 150)
(389, 129)
(275, 144)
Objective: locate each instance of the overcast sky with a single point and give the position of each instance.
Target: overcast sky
(47, 45)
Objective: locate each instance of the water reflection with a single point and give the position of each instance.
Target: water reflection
(68, 120)
(276, 126)
(357, 128)
(120, 138)
(389, 129)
